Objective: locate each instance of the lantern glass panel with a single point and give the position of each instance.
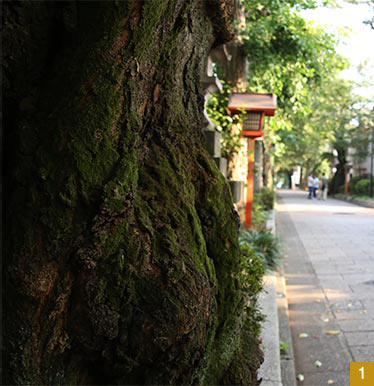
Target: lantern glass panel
(252, 121)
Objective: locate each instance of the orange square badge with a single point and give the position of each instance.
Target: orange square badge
(362, 374)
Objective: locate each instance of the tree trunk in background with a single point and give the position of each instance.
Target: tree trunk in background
(122, 259)
(338, 178)
(289, 178)
(236, 68)
(268, 169)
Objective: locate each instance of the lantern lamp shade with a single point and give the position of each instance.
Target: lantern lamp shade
(254, 106)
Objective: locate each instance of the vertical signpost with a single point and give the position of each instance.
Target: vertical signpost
(255, 107)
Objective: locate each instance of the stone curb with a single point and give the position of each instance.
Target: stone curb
(356, 201)
(270, 370)
(287, 361)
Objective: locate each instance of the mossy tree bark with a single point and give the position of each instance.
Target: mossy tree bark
(121, 257)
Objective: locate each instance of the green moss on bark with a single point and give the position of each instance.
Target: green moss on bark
(122, 259)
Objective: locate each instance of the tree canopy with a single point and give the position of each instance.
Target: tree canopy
(298, 61)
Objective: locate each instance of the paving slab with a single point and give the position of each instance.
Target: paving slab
(352, 315)
(363, 353)
(340, 378)
(360, 338)
(329, 275)
(356, 325)
(368, 304)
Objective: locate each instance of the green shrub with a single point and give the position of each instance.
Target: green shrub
(267, 197)
(264, 244)
(249, 356)
(262, 202)
(362, 187)
(252, 270)
(352, 183)
(259, 215)
(355, 185)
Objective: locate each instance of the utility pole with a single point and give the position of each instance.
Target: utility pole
(371, 161)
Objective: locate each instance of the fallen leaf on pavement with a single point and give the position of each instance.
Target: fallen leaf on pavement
(303, 335)
(332, 332)
(300, 377)
(317, 363)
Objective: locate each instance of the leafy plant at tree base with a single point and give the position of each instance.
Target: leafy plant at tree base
(251, 275)
(252, 270)
(264, 244)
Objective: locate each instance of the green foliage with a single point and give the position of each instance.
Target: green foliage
(252, 270)
(287, 55)
(283, 348)
(362, 187)
(264, 244)
(267, 197)
(251, 275)
(297, 61)
(353, 181)
(259, 215)
(359, 185)
(262, 202)
(216, 108)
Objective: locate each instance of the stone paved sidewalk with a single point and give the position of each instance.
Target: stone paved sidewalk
(329, 269)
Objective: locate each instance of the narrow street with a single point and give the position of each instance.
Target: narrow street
(329, 271)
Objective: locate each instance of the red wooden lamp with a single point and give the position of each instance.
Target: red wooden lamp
(255, 107)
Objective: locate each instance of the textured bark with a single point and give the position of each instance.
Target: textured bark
(236, 68)
(338, 179)
(121, 256)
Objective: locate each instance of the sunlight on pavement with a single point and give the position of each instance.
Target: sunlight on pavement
(331, 206)
(329, 271)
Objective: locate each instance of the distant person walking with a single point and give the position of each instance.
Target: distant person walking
(323, 193)
(315, 186)
(310, 186)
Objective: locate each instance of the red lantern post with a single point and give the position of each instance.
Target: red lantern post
(256, 107)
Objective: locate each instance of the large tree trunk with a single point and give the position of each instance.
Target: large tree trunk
(338, 179)
(122, 258)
